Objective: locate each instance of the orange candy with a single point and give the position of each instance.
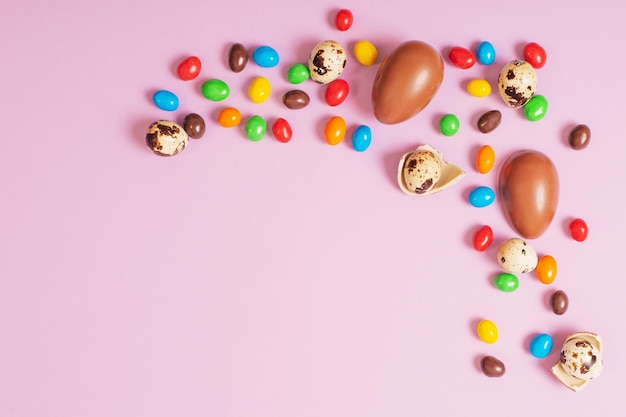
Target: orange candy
(335, 130)
(485, 158)
(546, 269)
(229, 117)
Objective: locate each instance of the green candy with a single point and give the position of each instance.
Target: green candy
(256, 128)
(449, 124)
(298, 73)
(506, 282)
(536, 108)
(215, 90)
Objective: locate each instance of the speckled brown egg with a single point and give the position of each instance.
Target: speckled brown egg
(517, 83)
(422, 170)
(327, 61)
(166, 138)
(516, 256)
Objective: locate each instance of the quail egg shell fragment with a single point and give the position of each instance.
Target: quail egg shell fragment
(580, 360)
(424, 172)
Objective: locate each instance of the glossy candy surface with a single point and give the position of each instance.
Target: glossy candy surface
(529, 189)
(194, 125)
(255, 128)
(237, 57)
(492, 367)
(487, 331)
(406, 82)
(546, 269)
(336, 92)
(479, 87)
(281, 129)
(485, 159)
(297, 73)
(578, 229)
(535, 55)
(485, 53)
(229, 117)
(259, 90)
(165, 100)
(506, 282)
(296, 99)
(489, 121)
(449, 124)
(579, 137)
(541, 345)
(365, 53)
(189, 68)
(481, 196)
(483, 238)
(335, 130)
(215, 90)
(536, 108)
(265, 56)
(461, 57)
(361, 138)
(559, 302)
(344, 19)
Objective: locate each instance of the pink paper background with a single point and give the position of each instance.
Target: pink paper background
(269, 279)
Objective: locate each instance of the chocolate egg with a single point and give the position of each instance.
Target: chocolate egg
(406, 82)
(529, 192)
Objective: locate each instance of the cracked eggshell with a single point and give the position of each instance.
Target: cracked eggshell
(424, 172)
(516, 256)
(327, 61)
(580, 360)
(517, 83)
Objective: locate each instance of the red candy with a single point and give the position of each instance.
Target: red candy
(189, 68)
(336, 92)
(578, 229)
(483, 238)
(282, 130)
(462, 57)
(535, 55)
(344, 19)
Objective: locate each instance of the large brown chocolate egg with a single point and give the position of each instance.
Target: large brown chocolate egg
(529, 192)
(406, 82)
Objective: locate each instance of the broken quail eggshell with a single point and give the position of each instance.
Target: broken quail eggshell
(166, 138)
(424, 172)
(327, 61)
(516, 256)
(517, 83)
(580, 360)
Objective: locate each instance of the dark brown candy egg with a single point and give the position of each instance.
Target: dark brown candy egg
(489, 121)
(579, 137)
(194, 125)
(237, 57)
(559, 302)
(296, 99)
(492, 367)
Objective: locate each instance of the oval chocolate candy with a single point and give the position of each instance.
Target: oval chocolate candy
(579, 137)
(489, 121)
(559, 302)
(492, 367)
(194, 125)
(296, 99)
(237, 57)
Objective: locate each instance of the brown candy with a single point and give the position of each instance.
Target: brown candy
(559, 302)
(492, 367)
(529, 190)
(296, 99)
(237, 57)
(579, 137)
(489, 121)
(194, 125)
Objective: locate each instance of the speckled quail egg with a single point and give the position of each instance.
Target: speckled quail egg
(517, 83)
(166, 138)
(424, 172)
(516, 256)
(327, 61)
(580, 360)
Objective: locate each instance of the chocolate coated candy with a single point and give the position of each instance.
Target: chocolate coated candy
(559, 302)
(579, 137)
(489, 121)
(296, 99)
(406, 82)
(194, 125)
(492, 367)
(529, 192)
(237, 57)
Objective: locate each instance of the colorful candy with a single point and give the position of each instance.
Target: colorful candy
(297, 73)
(255, 128)
(559, 302)
(487, 331)
(479, 87)
(461, 57)
(215, 90)
(335, 130)
(489, 121)
(265, 56)
(535, 55)
(536, 108)
(483, 238)
(481, 196)
(506, 282)
(361, 138)
(336, 92)
(485, 159)
(578, 229)
(546, 269)
(449, 124)
(237, 57)
(485, 53)
(165, 100)
(296, 99)
(282, 130)
(229, 117)
(492, 367)
(365, 53)
(541, 345)
(579, 137)
(344, 20)
(259, 90)
(189, 68)
(194, 125)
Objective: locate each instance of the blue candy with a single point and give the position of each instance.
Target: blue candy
(265, 56)
(361, 138)
(165, 100)
(541, 345)
(481, 196)
(485, 53)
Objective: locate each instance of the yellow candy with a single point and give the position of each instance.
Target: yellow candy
(365, 53)
(259, 90)
(485, 158)
(479, 88)
(229, 117)
(487, 331)
(335, 130)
